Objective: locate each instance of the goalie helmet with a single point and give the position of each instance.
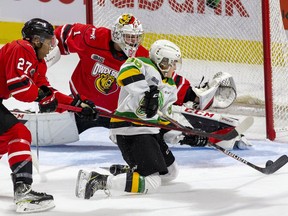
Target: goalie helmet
(128, 33)
(165, 54)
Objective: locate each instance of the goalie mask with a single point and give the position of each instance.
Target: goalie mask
(128, 33)
(166, 55)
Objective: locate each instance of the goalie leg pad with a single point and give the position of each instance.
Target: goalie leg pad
(223, 131)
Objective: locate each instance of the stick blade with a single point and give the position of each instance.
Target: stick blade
(273, 167)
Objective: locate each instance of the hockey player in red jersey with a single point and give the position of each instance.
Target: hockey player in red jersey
(23, 76)
(101, 51)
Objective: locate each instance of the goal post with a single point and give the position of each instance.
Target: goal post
(242, 37)
(270, 131)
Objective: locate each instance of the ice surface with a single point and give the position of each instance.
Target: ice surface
(209, 182)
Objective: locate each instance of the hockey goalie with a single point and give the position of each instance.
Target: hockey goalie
(192, 110)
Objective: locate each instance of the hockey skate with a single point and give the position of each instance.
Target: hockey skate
(88, 183)
(242, 143)
(28, 201)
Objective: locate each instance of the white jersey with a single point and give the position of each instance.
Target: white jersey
(135, 77)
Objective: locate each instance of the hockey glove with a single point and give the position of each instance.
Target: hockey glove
(150, 103)
(88, 112)
(47, 100)
(194, 141)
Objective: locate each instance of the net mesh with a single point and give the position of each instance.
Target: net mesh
(228, 39)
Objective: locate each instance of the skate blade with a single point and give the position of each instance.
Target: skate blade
(82, 180)
(27, 207)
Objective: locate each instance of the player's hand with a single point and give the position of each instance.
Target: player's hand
(194, 141)
(89, 111)
(150, 103)
(47, 100)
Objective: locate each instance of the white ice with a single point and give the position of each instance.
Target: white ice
(210, 183)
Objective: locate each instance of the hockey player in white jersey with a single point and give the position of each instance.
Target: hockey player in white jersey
(146, 87)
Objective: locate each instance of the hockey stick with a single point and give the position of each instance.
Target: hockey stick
(243, 126)
(37, 135)
(270, 166)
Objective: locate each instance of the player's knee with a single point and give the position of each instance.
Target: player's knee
(172, 174)
(20, 131)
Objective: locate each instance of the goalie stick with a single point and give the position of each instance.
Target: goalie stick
(270, 166)
(243, 126)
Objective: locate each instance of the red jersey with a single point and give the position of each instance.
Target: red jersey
(21, 73)
(185, 92)
(95, 75)
(182, 86)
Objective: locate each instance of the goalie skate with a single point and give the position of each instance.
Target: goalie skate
(242, 143)
(28, 201)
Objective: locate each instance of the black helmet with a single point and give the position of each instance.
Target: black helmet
(39, 27)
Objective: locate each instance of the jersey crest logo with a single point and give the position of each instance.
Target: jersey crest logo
(105, 79)
(140, 111)
(126, 19)
(105, 83)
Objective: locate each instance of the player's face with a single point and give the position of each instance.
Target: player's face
(133, 40)
(47, 46)
(167, 68)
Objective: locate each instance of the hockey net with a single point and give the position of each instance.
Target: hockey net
(229, 38)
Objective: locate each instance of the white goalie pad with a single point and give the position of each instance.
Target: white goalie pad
(178, 111)
(49, 128)
(239, 142)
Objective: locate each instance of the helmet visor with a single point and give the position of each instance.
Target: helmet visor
(48, 40)
(167, 63)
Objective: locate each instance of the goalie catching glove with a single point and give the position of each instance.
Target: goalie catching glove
(88, 112)
(220, 91)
